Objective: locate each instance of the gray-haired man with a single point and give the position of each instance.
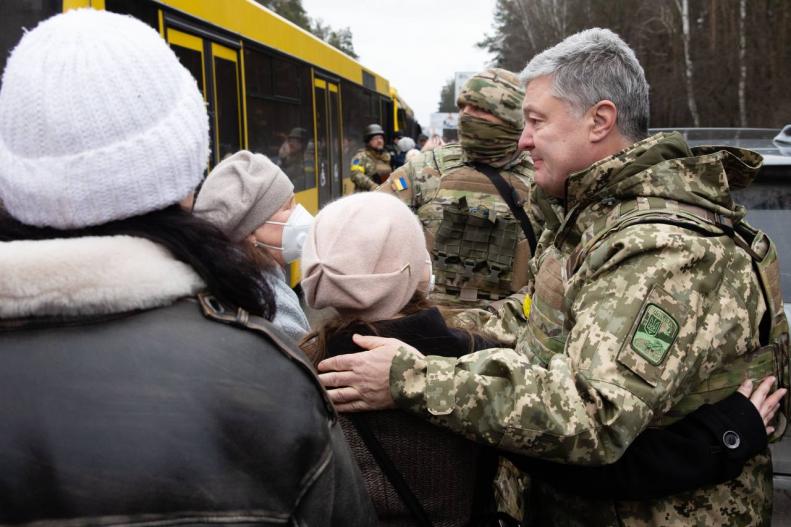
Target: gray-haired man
(646, 305)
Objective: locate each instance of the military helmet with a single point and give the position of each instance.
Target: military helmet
(298, 133)
(372, 130)
(496, 91)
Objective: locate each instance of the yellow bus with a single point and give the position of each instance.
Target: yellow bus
(270, 86)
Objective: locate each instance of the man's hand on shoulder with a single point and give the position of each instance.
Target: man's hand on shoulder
(361, 381)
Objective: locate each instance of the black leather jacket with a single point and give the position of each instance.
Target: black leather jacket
(163, 417)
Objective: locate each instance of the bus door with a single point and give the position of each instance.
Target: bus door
(216, 67)
(329, 139)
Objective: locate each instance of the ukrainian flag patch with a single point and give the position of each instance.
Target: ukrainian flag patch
(400, 184)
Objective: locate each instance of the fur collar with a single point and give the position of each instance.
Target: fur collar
(89, 276)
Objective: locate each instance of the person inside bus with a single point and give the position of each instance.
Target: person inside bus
(365, 257)
(136, 384)
(291, 154)
(370, 166)
(252, 201)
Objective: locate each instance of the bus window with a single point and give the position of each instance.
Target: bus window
(387, 118)
(280, 114)
(328, 131)
(145, 11)
(335, 144)
(193, 61)
(360, 108)
(18, 14)
(320, 93)
(228, 114)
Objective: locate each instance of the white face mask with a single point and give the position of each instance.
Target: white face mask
(426, 287)
(295, 231)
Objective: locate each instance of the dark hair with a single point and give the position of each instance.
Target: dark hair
(314, 344)
(230, 272)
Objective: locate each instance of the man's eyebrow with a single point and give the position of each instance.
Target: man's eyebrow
(530, 108)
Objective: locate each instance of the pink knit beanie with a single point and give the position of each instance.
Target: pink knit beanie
(364, 256)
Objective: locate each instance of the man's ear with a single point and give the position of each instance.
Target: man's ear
(603, 114)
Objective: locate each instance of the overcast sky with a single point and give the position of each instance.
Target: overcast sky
(416, 44)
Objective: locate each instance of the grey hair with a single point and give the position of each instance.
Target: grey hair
(594, 65)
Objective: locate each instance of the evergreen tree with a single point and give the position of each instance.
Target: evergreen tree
(447, 102)
(293, 11)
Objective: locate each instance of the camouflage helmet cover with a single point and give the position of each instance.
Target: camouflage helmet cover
(497, 91)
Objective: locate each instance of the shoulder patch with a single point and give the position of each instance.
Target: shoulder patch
(399, 184)
(655, 334)
(355, 161)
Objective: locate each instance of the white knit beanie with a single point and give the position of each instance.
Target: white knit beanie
(405, 144)
(241, 193)
(98, 122)
(364, 256)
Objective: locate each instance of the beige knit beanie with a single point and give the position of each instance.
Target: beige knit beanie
(241, 193)
(364, 256)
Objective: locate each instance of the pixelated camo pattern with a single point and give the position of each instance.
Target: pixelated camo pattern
(574, 390)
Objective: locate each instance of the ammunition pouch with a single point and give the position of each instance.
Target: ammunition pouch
(473, 252)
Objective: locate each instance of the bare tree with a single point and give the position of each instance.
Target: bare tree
(709, 62)
(683, 9)
(742, 63)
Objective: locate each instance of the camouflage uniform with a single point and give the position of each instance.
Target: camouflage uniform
(369, 168)
(478, 248)
(638, 317)
(470, 231)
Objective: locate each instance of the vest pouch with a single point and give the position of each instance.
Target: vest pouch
(447, 244)
(774, 327)
(546, 327)
(501, 254)
(474, 250)
(520, 274)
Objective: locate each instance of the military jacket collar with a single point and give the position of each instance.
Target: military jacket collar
(379, 155)
(660, 166)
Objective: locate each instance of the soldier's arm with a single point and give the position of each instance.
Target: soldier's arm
(358, 174)
(410, 182)
(624, 362)
(400, 184)
(503, 321)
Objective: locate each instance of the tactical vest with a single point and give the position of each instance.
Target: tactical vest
(478, 250)
(548, 329)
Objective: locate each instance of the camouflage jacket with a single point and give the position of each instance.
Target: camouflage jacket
(368, 168)
(433, 185)
(618, 340)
